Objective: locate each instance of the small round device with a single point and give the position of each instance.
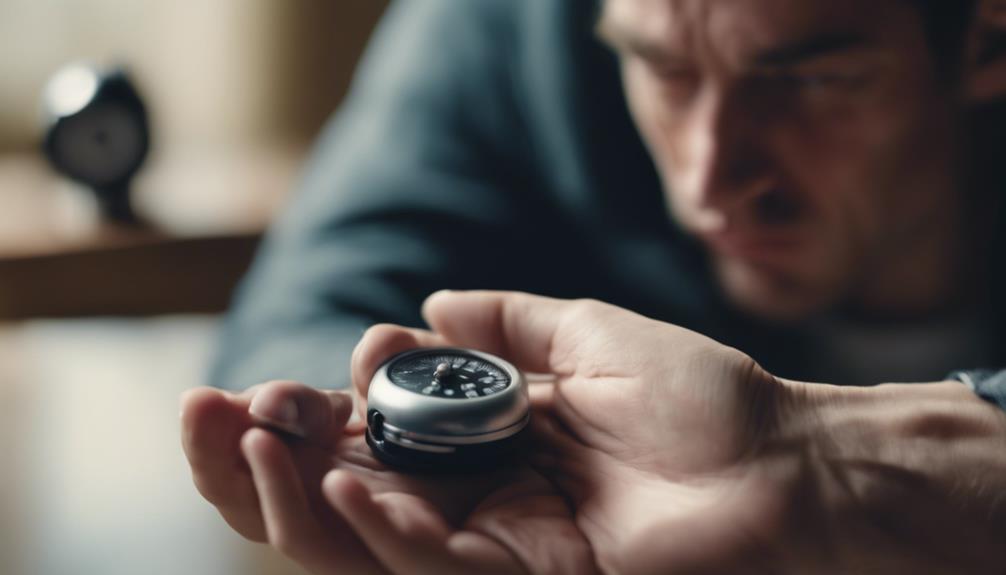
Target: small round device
(96, 133)
(446, 409)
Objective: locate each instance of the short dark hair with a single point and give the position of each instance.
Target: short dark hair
(947, 23)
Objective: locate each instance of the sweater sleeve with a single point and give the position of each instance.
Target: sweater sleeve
(989, 385)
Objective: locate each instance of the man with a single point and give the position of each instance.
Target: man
(834, 202)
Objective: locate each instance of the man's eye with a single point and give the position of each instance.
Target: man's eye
(815, 81)
(823, 81)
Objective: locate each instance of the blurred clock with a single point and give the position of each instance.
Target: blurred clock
(96, 133)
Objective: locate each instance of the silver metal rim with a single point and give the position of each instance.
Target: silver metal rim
(446, 444)
(471, 421)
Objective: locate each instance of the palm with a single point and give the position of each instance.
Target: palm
(672, 402)
(637, 522)
(654, 453)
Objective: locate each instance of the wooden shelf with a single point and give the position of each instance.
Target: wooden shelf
(58, 260)
(159, 276)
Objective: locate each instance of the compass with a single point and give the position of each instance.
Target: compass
(443, 409)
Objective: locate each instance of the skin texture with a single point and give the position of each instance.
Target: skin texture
(655, 450)
(812, 146)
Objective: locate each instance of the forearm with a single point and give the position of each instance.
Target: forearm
(909, 472)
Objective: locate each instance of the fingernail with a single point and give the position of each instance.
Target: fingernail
(282, 415)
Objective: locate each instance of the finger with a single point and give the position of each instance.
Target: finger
(290, 523)
(379, 343)
(562, 459)
(312, 414)
(212, 423)
(518, 326)
(410, 537)
(484, 554)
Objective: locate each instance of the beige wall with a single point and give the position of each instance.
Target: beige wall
(216, 73)
(236, 89)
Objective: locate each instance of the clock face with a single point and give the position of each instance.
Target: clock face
(101, 145)
(449, 375)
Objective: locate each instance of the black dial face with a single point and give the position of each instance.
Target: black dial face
(451, 375)
(100, 145)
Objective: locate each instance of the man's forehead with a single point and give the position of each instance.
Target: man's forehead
(745, 29)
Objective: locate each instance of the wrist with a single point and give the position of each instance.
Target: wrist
(909, 471)
(910, 426)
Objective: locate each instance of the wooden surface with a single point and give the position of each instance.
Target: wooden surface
(190, 196)
(93, 478)
(150, 276)
(58, 259)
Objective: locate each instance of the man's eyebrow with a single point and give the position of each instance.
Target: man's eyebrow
(816, 47)
(623, 39)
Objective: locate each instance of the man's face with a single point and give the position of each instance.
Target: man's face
(808, 143)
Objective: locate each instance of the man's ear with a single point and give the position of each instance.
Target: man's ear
(986, 61)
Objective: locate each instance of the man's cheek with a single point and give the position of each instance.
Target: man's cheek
(682, 206)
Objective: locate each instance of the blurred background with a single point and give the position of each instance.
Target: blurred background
(103, 325)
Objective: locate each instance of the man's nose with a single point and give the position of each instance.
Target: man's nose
(729, 165)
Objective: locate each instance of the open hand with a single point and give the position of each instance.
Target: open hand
(271, 486)
(642, 457)
(655, 450)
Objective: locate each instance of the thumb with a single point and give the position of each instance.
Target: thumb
(517, 326)
(315, 415)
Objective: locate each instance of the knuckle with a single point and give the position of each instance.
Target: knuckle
(282, 386)
(581, 309)
(379, 331)
(375, 341)
(252, 534)
(197, 403)
(247, 524)
(212, 489)
(286, 541)
(591, 309)
(589, 313)
(206, 431)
